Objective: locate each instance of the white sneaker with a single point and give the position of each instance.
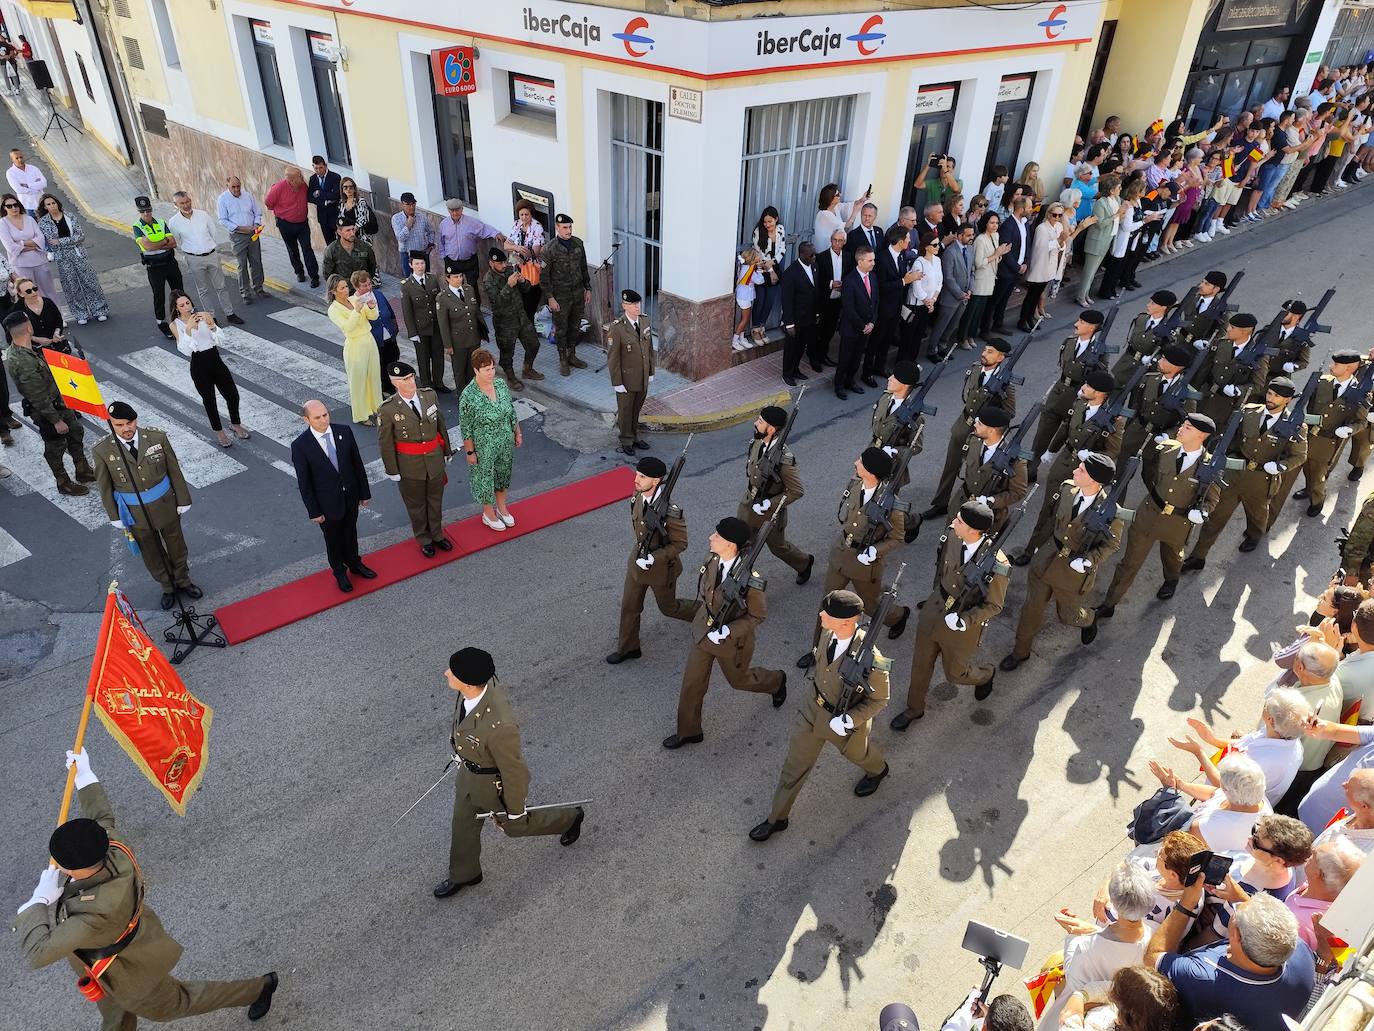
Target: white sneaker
(493, 524)
(1339, 184)
(1201, 238)
(506, 518)
(101, 318)
(1290, 204)
(1361, 174)
(1220, 227)
(736, 343)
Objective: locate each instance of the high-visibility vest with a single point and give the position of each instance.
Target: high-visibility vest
(153, 233)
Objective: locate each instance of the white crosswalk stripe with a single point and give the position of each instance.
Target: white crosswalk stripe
(11, 551)
(317, 324)
(26, 463)
(309, 375)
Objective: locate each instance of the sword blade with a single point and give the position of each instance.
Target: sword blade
(536, 808)
(442, 777)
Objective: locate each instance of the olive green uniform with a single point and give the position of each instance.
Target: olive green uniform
(981, 480)
(1077, 435)
(93, 913)
(33, 378)
(154, 520)
(461, 328)
(1075, 365)
(957, 650)
(974, 395)
(1152, 417)
(1142, 344)
(1358, 552)
(630, 361)
(1255, 445)
(418, 298)
(492, 778)
(1162, 517)
(1199, 322)
(1052, 577)
(1323, 445)
(1222, 369)
(661, 577)
(567, 280)
(783, 490)
(509, 317)
(733, 654)
(845, 569)
(811, 731)
(1295, 348)
(422, 476)
(887, 430)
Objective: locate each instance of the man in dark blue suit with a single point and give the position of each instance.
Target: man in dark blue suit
(831, 265)
(333, 483)
(323, 191)
(893, 265)
(1015, 231)
(800, 308)
(858, 316)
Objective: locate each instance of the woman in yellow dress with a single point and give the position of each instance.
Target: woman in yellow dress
(360, 358)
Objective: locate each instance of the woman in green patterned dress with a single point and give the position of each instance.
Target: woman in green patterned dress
(486, 418)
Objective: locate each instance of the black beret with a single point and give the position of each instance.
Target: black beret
(995, 416)
(1346, 356)
(907, 372)
(842, 604)
(122, 410)
(1283, 385)
(142, 203)
(453, 267)
(1091, 316)
(999, 344)
(1201, 422)
(1215, 278)
(348, 218)
(774, 416)
(976, 515)
(651, 466)
(736, 531)
(418, 256)
(876, 461)
(496, 254)
(1101, 468)
(630, 296)
(1178, 354)
(562, 219)
(1295, 307)
(1101, 380)
(408, 198)
(399, 370)
(1164, 298)
(78, 844)
(472, 666)
(1244, 320)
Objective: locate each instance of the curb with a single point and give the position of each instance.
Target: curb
(714, 420)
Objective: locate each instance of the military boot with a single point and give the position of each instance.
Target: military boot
(574, 361)
(512, 381)
(66, 486)
(529, 372)
(84, 472)
(563, 369)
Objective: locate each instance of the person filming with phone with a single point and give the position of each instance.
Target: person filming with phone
(938, 180)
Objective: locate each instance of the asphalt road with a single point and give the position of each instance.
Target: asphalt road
(664, 915)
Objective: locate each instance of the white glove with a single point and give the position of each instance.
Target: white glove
(719, 635)
(516, 816)
(1195, 516)
(620, 390)
(953, 621)
(1272, 468)
(1343, 431)
(645, 562)
(1080, 564)
(984, 499)
(1231, 390)
(1200, 344)
(415, 340)
(1290, 367)
(49, 889)
(394, 478)
(890, 451)
(84, 776)
(1147, 359)
(1048, 456)
(1160, 438)
(116, 524)
(763, 506)
(869, 555)
(842, 725)
(183, 509)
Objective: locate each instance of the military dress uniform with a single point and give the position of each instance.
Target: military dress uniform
(1201, 317)
(1222, 371)
(156, 474)
(1294, 346)
(1324, 441)
(981, 479)
(1143, 344)
(1072, 372)
(1253, 486)
(1083, 432)
(783, 491)
(1357, 554)
(510, 320)
(844, 568)
(413, 442)
(461, 329)
(43, 401)
(1152, 416)
(567, 281)
(418, 299)
(974, 395)
(661, 577)
(886, 429)
(630, 361)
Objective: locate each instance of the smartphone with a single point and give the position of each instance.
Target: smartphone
(1216, 870)
(869, 191)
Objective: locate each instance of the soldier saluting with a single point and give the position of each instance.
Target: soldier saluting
(91, 910)
(630, 362)
(569, 287)
(492, 777)
(413, 442)
(772, 481)
(836, 712)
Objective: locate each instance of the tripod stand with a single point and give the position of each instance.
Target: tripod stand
(57, 120)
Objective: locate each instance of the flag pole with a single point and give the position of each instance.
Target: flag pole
(97, 671)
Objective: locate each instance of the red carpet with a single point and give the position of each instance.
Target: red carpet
(313, 594)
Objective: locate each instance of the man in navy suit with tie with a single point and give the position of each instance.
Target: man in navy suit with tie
(858, 315)
(333, 483)
(866, 233)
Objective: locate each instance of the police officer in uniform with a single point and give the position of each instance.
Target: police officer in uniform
(1225, 379)
(59, 427)
(981, 479)
(1153, 419)
(1174, 503)
(1075, 363)
(91, 910)
(138, 462)
(1266, 458)
(1204, 312)
(657, 569)
(1142, 342)
(419, 294)
(944, 633)
(492, 775)
(569, 291)
(413, 442)
(731, 644)
(975, 397)
(504, 287)
(157, 251)
(1338, 418)
(763, 494)
(630, 361)
(818, 719)
(461, 326)
(1065, 565)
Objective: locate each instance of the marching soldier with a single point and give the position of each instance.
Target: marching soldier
(1173, 505)
(91, 910)
(1083, 434)
(1338, 418)
(975, 397)
(139, 464)
(505, 287)
(1204, 312)
(413, 442)
(1065, 565)
(492, 775)
(419, 294)
(1294, 343)
(569, 287)
(1153, 418)
(653, 565)
(981, 478)
(819, 721)
(1075, 362)
(1267, 457)
(1227, 378)
(1143, 344)
(58, 426)
(630, 360)
(887, 429)
(1357, 553)
(461, 326)
(945, 632)
(851, 561)
(729, 643)
(764, 494)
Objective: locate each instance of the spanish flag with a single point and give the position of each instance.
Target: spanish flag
(1157, 126)
(1228, 166)
(76, 383)
(1044, 986)
(1256, 154)
(1350, 715)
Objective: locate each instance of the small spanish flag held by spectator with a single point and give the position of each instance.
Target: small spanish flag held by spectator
(1256, 154)
(76, 383)
(1228, 166)
(1042, 986)
(1156, 127)
(1350, 715)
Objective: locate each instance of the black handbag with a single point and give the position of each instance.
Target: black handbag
(1164, 811)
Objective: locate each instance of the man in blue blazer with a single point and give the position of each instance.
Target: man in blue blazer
(858, 317)
(333, 483)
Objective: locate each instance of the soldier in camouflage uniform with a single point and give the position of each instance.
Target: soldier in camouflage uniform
(58, 425)
(569, 287)
(504, 288)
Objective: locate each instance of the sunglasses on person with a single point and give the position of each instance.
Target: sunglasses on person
(1054, 214)
(30, 290)
(11, 204)
(1255, 843)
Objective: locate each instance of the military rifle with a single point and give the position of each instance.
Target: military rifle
(1008, 450)
(1097, 349)
(734, 589)
(1290, 423)
(1173, 319)
(1211, 470)
(857, 662)
(914, 406)
(1116, 406)
(771, 459)
(1107, 508)
(1358, 395)
(1223, 299)
(656, 515)
(1312, 320)
(1004, 375)
(978, 572)
(1181, 390)
(879, 509)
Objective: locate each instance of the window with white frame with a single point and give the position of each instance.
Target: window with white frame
(269, 78)
(163, 19)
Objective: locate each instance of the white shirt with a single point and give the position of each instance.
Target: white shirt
(132, 444)
(203, 339)
(1090, 411)
(28, 183)
(809, 272)
(1083, 343)
(321, 438)
(969, 549)
(457, 291)
(471, 703)
(1189, 459)
(1089, 958)
(927, 288)
(866, 494)
(1272, 109)
(1225, 830)
(1279, 759)
(723, 570)
(1203, 303)
(841, 645)
(837, 266)
(1021, 247)
(195, 235)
